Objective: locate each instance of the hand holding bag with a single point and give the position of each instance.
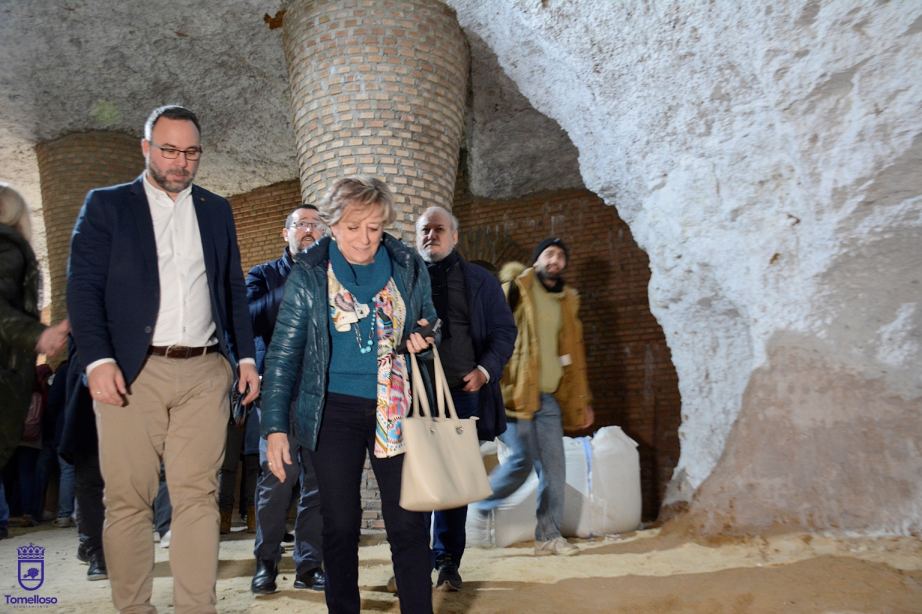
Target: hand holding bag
(442, 467)
(239, 411)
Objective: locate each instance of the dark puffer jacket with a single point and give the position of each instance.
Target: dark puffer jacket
(302, 337)
(20, 329)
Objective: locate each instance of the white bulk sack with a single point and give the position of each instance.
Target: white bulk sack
(603, 484)
(602, 493)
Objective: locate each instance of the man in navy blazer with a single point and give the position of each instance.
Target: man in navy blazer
(159, 314)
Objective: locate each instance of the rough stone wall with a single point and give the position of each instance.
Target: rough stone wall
(378, 88)
(512, 148)
(69, 167)
(766, 157)
(633, 382)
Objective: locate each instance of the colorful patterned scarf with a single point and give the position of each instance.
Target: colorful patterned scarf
(393, 383)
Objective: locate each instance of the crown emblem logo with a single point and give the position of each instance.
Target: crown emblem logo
(31, 552)
(31, 566)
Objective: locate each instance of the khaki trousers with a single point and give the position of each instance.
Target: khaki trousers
(177, 411)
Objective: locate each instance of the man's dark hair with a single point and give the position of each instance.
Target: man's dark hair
(288, 219)
(170, 111)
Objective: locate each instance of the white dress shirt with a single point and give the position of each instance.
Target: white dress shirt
(184, 317)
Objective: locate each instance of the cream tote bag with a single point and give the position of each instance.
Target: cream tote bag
(442, 467)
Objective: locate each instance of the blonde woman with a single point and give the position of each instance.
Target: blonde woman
(350, 301)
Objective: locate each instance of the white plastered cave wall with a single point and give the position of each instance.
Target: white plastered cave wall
(768, 158)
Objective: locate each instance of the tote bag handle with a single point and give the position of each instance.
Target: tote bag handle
(444, 403)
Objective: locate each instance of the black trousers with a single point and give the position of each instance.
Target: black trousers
(346, 435)
(273, 499)
(227, 476)
(91, 512)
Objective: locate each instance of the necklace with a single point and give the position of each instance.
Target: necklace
(365, 347)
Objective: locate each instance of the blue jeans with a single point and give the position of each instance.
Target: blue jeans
(65, 489)
(448, 536)
(163, 509)
(272, 500)
(534, 443)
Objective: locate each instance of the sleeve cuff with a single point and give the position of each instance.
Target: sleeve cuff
(96, 363)
(247, 361)
(485, 372)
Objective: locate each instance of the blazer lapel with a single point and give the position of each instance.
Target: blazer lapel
(210, 254)
(204, 226)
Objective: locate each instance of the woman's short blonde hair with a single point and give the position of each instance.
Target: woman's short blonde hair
(360, 190)
(14, 211)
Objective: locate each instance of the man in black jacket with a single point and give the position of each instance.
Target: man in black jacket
(79, 446)
(265, 288)
(478, 334)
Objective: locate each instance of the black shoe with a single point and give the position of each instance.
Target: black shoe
(449, 578)
(314, 579)
(97, 570)
(264, 579)
(82, 555)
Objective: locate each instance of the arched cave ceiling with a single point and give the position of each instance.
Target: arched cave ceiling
(77, 65)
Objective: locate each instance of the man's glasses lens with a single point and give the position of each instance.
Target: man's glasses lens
(309, 226)
(171, 153)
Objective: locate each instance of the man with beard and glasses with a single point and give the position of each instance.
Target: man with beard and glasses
(478, 334)
(545, 391)
(265, 288)
(159, 315)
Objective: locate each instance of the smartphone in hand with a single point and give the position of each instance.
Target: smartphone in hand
(430, 330)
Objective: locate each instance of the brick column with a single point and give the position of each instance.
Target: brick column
(68, 168)
(378, 87)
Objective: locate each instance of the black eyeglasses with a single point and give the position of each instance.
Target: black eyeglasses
(171, 153)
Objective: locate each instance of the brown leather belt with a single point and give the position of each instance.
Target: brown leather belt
(181, 351)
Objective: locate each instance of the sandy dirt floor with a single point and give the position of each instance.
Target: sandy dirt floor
(649, 571)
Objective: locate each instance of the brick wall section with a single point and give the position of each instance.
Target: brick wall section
(260, 215)
(68, 168)
(378, 88)
(633, 381)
